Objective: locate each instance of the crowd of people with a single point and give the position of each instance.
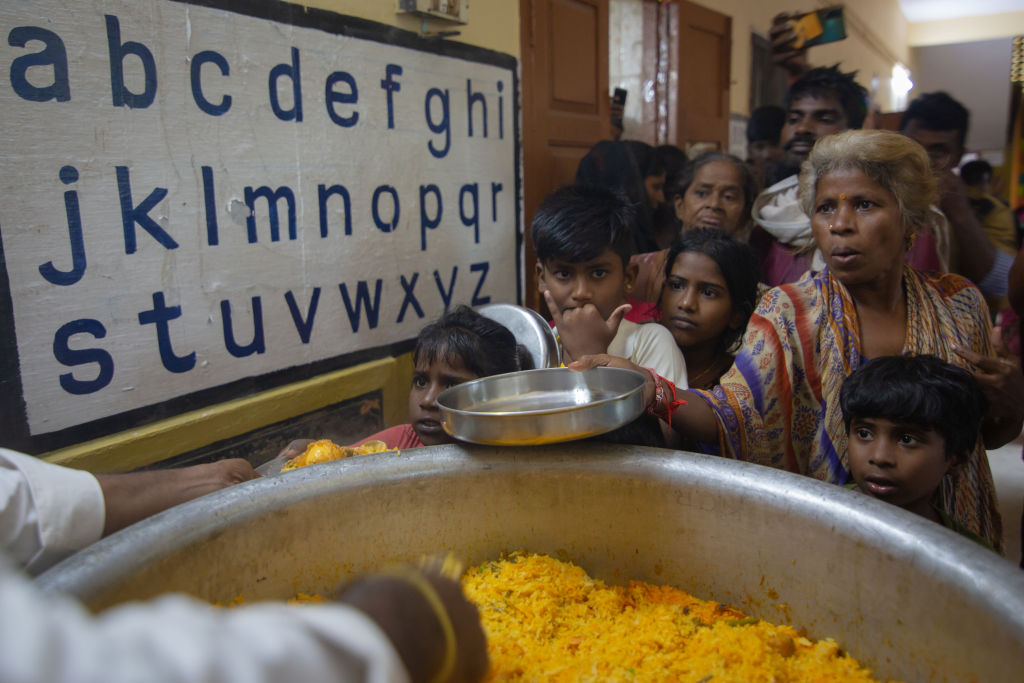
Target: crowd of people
(842, 304)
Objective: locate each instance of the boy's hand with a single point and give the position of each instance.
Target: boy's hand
(582, 331)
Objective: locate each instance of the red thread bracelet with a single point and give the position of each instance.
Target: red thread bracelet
(662, 408)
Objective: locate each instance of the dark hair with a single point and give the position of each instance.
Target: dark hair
(976, 172)
(623, 166)
(578, 222)
(921, 390)
(765, 123)
(747, 182)
(939, 112)
(648, 162)
(738, 264)
(483, 346)
(829, 80)
(674, 161)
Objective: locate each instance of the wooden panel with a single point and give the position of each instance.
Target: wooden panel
(563, 163)
(705, 44)
(574, 75)
(565, 99)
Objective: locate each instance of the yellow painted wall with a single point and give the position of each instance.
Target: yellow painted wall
(493, 24)
(965, 29)
(876, 39)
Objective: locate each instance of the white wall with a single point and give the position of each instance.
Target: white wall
(978, 75)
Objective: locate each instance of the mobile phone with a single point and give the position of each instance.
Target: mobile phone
(819, 27)
(619, 98)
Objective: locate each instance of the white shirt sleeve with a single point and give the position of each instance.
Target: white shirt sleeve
(48, 512)
(176, 639)
(651, 345)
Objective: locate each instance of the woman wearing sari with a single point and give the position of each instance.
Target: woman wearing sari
(868, 194)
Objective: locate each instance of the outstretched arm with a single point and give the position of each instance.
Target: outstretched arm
(134, 496)
(693, 419)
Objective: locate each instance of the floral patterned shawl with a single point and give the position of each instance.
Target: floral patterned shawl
(779, 403)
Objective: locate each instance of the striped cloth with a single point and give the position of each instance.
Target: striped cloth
(779, 403)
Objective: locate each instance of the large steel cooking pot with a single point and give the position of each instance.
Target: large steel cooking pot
(904, 595)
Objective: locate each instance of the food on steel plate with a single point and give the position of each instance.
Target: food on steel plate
(325, 450)
(547, 620)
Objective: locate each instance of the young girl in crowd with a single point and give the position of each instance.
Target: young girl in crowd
(709, 293)
(460, 346)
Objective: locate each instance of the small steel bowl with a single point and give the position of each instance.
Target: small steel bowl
(542, 406)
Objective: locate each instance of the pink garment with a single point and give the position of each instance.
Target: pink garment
(781, 265)
(924, 252)
(642, 311)
(399, 436)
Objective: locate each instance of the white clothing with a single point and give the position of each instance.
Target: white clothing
(48, 512)
(778, 211)
(175, 639)
(651, 345)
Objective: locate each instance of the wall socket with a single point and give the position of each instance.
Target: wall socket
(449, 10)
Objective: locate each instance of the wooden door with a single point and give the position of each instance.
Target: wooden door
(705, 45)
(565, 100)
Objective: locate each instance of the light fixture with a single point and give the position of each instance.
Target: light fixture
(900, 85)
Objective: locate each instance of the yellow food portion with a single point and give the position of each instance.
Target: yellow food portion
(325, 450)
(546, 620)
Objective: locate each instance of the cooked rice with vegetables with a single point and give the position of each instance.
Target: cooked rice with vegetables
(547, 620)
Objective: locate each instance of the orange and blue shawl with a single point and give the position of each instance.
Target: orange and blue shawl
(779, 403)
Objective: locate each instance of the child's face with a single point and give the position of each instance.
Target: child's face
(602, 282)
(899, 463)
(429, 380)
(695, 302)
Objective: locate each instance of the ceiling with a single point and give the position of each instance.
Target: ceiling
(933, 10)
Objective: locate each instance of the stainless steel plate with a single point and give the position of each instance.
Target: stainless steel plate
(530, 329)
(542, 406)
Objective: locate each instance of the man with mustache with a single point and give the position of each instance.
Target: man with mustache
(823, 101)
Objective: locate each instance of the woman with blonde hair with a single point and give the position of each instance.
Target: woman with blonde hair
(868, 194)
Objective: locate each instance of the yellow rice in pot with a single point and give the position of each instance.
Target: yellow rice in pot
(547, 620)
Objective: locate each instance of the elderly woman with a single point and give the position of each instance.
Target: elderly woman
(716, 190)
(868, 194)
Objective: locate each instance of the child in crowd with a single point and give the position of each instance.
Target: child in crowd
(909, 421)
(460, 346)
(709, 293)
(583, 238)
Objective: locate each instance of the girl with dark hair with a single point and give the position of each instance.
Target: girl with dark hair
(709, 293)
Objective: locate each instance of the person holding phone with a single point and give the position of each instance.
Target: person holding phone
(618, 109)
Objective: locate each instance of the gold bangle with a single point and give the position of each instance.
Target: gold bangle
(429, 593)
